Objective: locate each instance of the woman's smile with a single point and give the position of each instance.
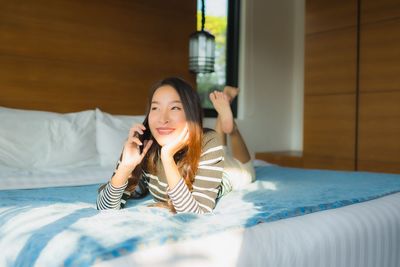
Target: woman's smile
(167, 117)
(165, 130)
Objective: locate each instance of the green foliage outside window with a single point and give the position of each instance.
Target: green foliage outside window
(206, 83)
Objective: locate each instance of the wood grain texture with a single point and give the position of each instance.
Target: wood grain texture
(329, 127)
(379, 166)
(324, 16)
(380, 56)
(373, 11)
(331, 86)
(379, 87)
(69, 55)
(282, 158)
(379, 129)
(330, 62)
(328, 163)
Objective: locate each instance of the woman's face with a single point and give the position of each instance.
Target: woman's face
(167, 117)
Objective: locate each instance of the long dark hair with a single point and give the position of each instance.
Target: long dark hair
(187, 158)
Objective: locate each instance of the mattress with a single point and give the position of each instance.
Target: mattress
(288, 217)
(27, 179)
(364, 234)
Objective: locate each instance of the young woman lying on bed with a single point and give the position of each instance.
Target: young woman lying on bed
(184, 166)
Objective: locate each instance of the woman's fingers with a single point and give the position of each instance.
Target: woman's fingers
(181, 140)
(184, 133)
(147, 145)
(135, 140)
(174, 146)
(137, 128)
(134, 133)
(186, 138)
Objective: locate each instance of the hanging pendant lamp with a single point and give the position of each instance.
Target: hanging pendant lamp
(202, 48)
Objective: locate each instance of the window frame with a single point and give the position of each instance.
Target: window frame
(232, 54)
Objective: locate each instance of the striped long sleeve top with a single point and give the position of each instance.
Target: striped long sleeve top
(206, 186)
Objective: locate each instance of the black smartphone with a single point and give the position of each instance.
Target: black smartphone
(146, 134)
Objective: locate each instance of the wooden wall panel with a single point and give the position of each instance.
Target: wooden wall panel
(282, 158)
(328, 163)
(379, 87)
(330, 62)
(330, 84)
(373, 10)
(69, 55)
(379, 128)
(67, 86)
(379, 166)
(328, 15)
(331, 73)
(329, 131)
(380, 56)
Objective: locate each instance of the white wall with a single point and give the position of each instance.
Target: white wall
(270, 114)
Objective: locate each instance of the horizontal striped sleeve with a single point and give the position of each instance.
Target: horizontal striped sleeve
(210, 161)
(157, 193)
(206, 185)
(110, 197)
(157, 188)
(212, 149)
(156, 180)
(207, 182)
(182, 199)
(208, 179)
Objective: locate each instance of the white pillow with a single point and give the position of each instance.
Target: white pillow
(111, 133)
(47, 140)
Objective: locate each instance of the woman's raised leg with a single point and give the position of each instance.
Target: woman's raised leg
(226, 125)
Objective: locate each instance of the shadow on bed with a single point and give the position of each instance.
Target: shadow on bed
(282, 192)
(300, 192)
(39, 240)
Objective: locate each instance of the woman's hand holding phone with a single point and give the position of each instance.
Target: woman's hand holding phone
(132, 155)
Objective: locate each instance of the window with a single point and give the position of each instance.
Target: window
(222, 20)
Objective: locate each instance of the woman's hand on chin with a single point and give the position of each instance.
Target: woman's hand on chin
(170, 149)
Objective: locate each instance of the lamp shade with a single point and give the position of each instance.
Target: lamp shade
(201, 52)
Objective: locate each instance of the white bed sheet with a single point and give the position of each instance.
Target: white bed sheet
(11, 178)
(25, 179)
(366, 234)
(363, 234)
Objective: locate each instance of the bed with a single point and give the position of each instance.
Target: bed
(288, 217)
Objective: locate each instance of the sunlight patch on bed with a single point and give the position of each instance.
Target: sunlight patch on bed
(263, 185)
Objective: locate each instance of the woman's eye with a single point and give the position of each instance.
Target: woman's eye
(153, 108)
(176, 108)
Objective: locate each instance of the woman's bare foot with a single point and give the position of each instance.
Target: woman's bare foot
(222, 106)
(231, 92)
